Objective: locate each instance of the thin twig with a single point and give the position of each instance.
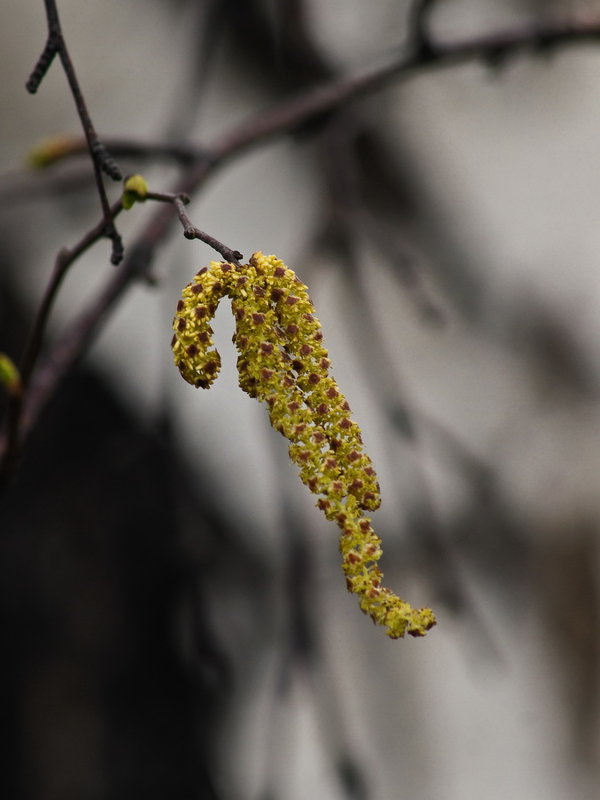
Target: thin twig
(101, 159)
(64, 260)
(190, 231)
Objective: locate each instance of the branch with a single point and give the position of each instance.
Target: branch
(65, 258)
(421, 42)
(102, 161)
(292, 114)
(137, 185)
(190, 231)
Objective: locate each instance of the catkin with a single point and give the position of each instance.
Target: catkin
(283, 363)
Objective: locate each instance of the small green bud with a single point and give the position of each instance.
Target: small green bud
(50, 150)
(135, 190)
(9, 375)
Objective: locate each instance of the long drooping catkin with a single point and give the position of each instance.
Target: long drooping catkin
(283, 363)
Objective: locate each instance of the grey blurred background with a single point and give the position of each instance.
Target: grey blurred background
(175, 615)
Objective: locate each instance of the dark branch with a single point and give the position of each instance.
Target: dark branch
(64, 260)
(190, 231)
(102, 161)
(292, 114)
(42, 66)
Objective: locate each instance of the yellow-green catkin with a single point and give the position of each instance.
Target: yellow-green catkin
(9, 375)
(283, 363)
(49, 151)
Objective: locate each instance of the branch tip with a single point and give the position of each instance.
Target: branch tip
(118, 249)
(105, 161)
(43, 65)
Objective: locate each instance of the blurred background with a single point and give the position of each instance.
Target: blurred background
(175, 616)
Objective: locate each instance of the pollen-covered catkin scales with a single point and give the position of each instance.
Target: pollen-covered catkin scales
(283, 363)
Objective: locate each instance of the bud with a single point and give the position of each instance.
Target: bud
(50, 150)
(135, 190)
(9, 375)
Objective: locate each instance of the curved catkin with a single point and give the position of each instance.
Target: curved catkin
(282, 362)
